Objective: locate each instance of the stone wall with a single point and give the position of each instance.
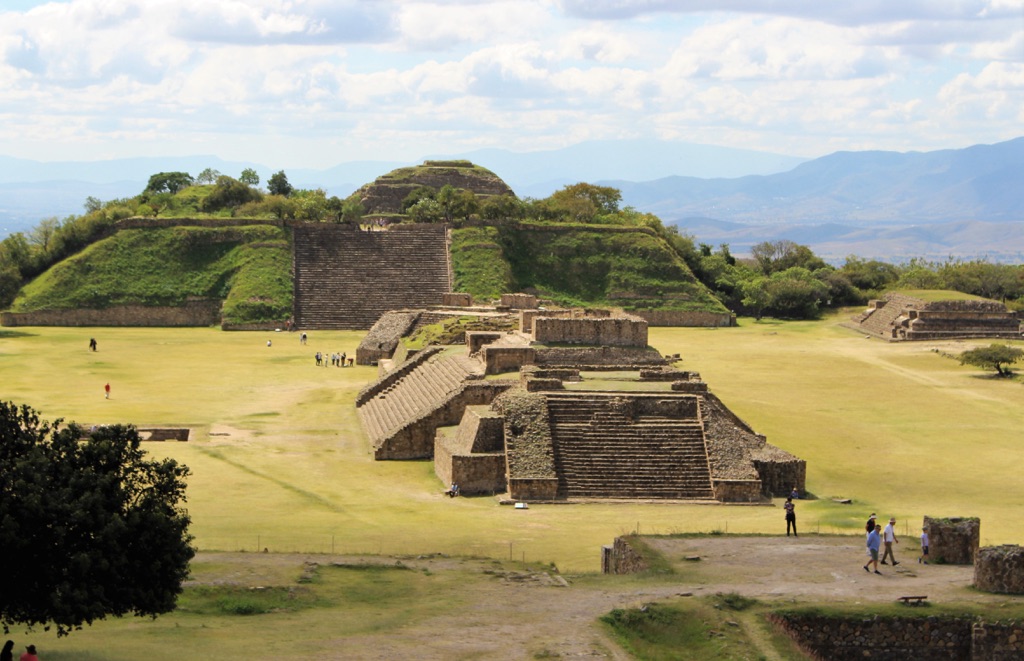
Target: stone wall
(383, 337)
(622, 558)
(191, 313)
(457, 299)
(164, 434)
(475, 340)
(498, 360)
(936, 638)
(254, 326)
(533, 488)
(535, 384)
(953, 541)
(778, 476)
(519, 301)
(666, 374)
(597, 357)
(1000, 569)
(686, 318)
(617, 332)
(737, 491)
(389, 379)
(997, 641)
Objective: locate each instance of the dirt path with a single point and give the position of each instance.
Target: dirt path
(507, 613)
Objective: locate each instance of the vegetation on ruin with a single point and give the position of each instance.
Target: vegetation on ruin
(248, 267)
(453, 330)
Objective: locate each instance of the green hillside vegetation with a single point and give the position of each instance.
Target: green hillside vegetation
(248, 267)
(575, 264)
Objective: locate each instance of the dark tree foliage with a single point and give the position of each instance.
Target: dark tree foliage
(278, 184)
(89, 527)
(229, 193)
(169, 182)
(995, 356)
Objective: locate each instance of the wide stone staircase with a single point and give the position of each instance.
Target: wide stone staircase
(416, 395)
(880, 320)
(599, 453)
(346, 278)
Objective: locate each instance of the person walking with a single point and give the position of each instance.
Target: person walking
(874, 542)
(106, 391)
(924, 546)
(889, 538)
(92, 344)
(790, 516)
(870, 525)
(7, 654)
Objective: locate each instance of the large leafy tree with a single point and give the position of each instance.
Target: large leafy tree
(995, 356)
(89, 526)
(169, 182)
(278, 184)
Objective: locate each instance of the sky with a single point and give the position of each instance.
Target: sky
(313, 83)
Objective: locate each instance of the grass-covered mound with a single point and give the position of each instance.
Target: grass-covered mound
(248, 267)
(932, 295)
(575, 264)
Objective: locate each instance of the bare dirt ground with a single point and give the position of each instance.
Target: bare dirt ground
(506, 613)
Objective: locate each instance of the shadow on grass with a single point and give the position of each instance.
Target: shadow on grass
(14, 333)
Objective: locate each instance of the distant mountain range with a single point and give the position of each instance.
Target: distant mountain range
(963, 202)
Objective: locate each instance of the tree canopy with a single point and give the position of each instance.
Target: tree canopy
(995, 356)
(278, 184)
(169, 182)
(89, 527)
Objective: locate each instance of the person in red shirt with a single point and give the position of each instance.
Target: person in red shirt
(30, 654)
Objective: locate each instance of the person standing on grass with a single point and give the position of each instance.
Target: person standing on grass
(106, 391)
(7, 654)
(924, 546)
(874, 542)
(92, 344)
(889, 537)
(790, 516)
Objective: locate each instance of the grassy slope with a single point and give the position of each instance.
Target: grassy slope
(248, 266)
(633, 270)
(898, 428)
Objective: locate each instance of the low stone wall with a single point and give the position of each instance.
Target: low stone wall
(190, 313)
(254, 326)
(686, 318)
(737, 491)
(613, 332)
(936, 638)
(533, 488)
(518, 301)
(665, 374)
(457, 299)
(498, 360)
(534, 384)
(475, 340)
(164, 434)
(953, 541)
(1000, 569)
(622, 558)
(997, 641)
(689, 386)
(590, 357)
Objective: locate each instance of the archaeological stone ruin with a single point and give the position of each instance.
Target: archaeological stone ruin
(899, 317)
(514, 412)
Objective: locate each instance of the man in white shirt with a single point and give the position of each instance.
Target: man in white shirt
(888, 538)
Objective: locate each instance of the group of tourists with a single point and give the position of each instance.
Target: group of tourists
(879, 536)
(879, 539)
(336, 360)
(7, 654)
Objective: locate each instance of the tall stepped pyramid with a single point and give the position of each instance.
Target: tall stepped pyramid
(603, 452)
(346, 278)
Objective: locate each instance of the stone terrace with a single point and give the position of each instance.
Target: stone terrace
(603, 452)
(880, 318)
(415, 395)
(346, 278)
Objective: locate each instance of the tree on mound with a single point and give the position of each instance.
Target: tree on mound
(995, 356)
(89, 527)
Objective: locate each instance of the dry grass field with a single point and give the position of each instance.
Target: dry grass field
(280, 463)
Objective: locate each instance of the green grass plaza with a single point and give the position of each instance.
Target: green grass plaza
(280, 464)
